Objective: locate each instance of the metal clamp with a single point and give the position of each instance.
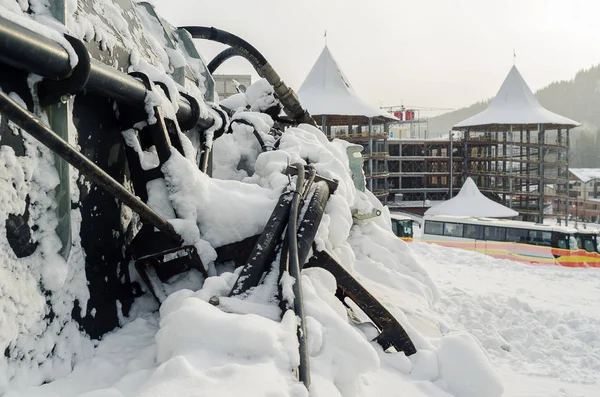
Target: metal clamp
(51, 92)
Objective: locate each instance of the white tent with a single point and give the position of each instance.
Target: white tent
(470, 202)
(515, 104)
(327, 91)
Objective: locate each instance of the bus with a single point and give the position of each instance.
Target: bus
(402, 226)
(516, 240)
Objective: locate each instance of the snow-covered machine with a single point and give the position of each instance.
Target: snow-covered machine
(104, 108)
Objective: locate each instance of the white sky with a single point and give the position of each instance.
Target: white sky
(434, 53)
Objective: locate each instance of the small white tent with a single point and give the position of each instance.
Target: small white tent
(471, 202)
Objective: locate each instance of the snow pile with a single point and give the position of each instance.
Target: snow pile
(471, 202)
(190, 347)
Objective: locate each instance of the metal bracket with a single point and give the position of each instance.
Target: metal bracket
(392, 334)
(51, 92)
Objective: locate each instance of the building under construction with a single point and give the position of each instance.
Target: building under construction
(515, 150)
(518, 152)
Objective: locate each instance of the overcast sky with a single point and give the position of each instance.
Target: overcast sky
(431, 53)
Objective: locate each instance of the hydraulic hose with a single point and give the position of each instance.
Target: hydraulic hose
(294, 269)
(33, 126)
(286, 95)
(222, 57)
(261, 142)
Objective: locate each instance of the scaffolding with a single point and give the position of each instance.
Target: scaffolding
(524, 166)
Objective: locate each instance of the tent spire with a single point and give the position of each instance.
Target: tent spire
(514, 56)
(325, 37)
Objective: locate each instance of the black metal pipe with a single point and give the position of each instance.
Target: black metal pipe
(32, 125)
(286, 95)
(28, 50)
(20, 46)
(264, 251)
(294, 269)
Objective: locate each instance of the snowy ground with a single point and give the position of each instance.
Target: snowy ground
(540, 325)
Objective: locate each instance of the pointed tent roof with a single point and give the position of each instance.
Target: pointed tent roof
(327, 91)
(515, 104)
(471, 202)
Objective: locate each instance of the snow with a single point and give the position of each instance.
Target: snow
(470, 202)
(585, 174)
(515, 104)
(538, 324)
(326, 90)
(479, 324)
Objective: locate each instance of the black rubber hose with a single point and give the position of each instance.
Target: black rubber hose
(222, 57)
(286, 95)
(261, 142)
(294, 269)
(33, 126)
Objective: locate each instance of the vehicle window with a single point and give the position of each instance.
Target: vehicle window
(516, 235)
(573, 243)
(395, 227)
(436, 228)
(588, 245)
(494, 233)
(562, 243)
(408, 229)
(539, 237)
(453, 229)
(472, 231)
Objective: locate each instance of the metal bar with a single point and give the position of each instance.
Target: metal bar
(392, 332)
(309, 224)
(28, 50)
(264, 250)
(32, 125)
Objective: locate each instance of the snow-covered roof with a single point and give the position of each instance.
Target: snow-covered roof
(515, 104)
(327, 91)
(585, 174)
(471, 202)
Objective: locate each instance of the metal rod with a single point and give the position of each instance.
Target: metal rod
(32, 125)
